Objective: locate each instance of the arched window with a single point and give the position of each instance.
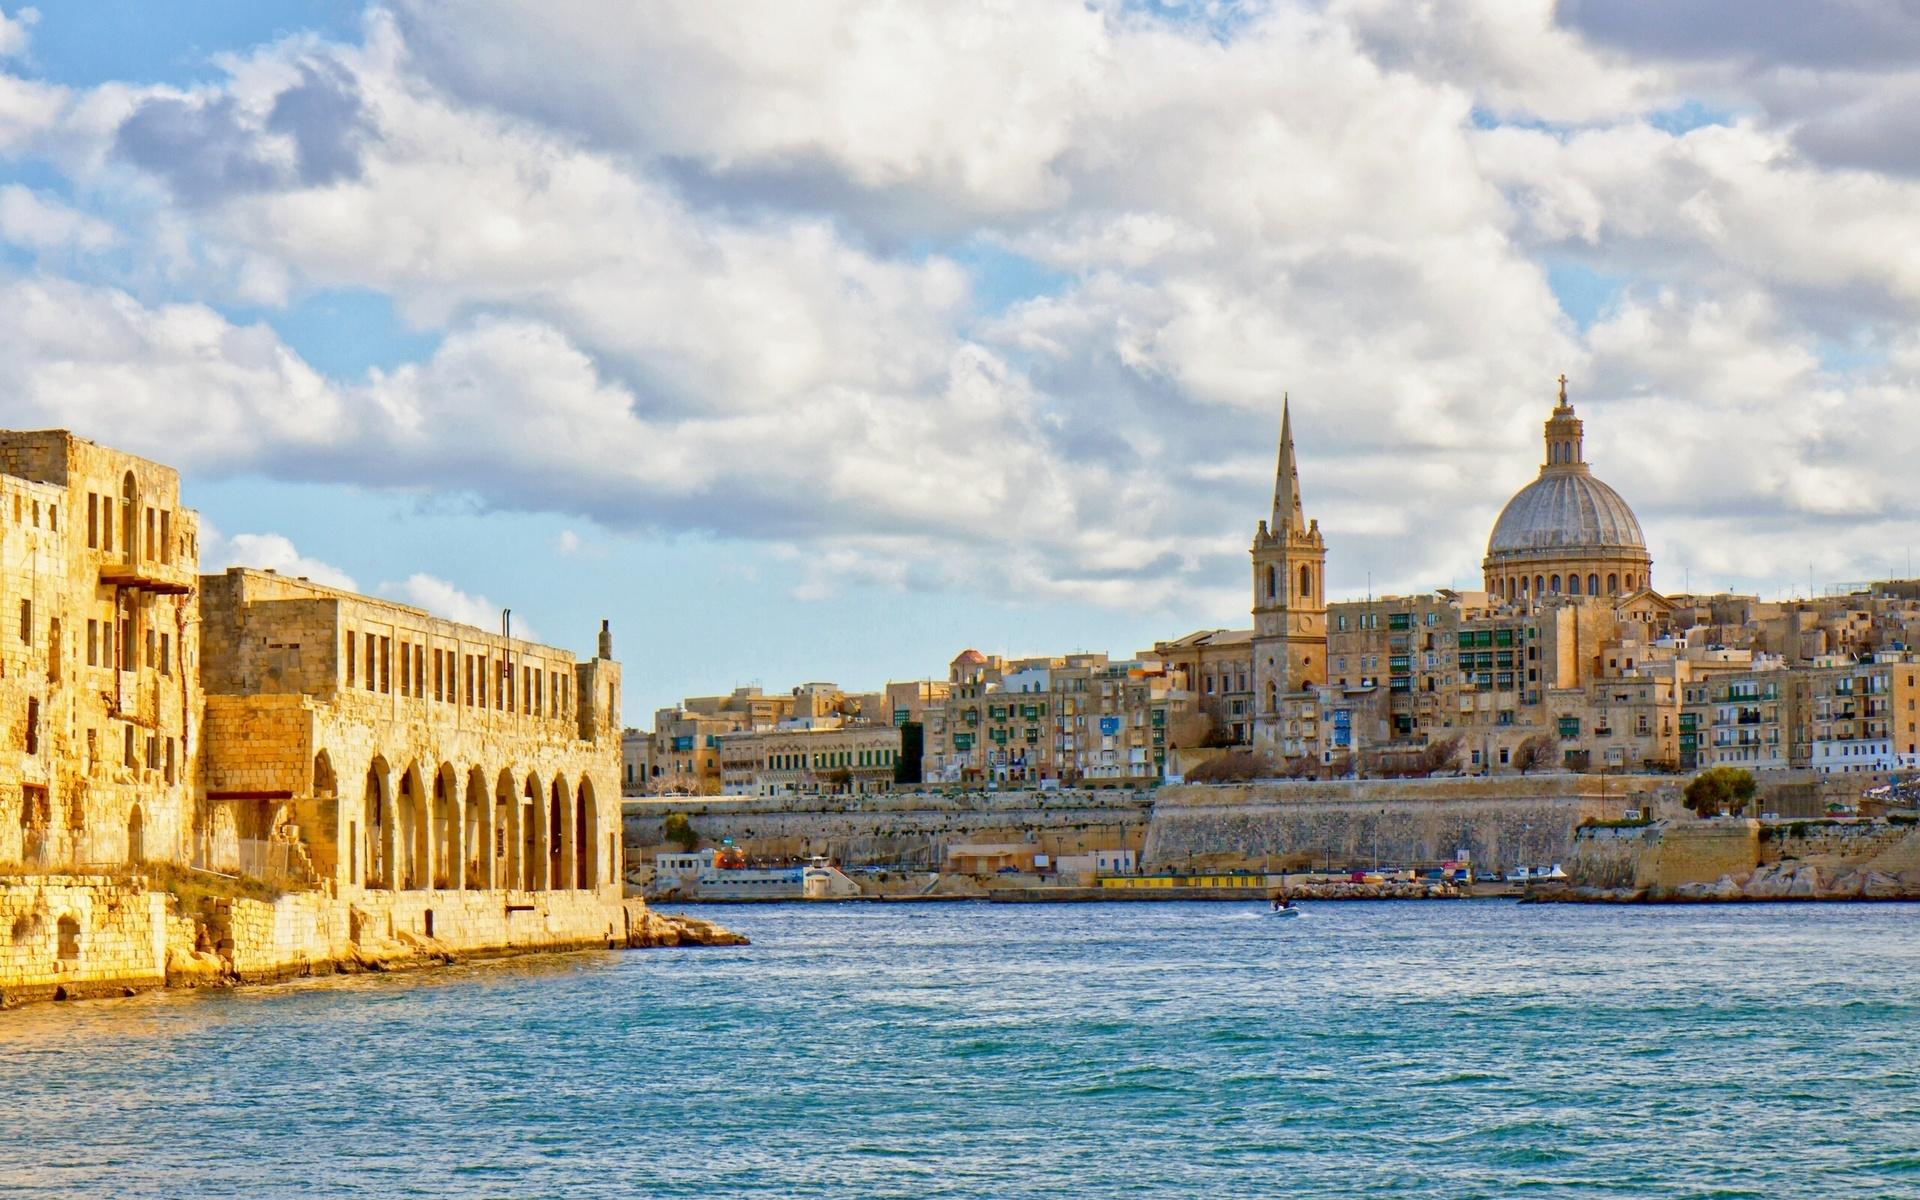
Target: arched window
(1573, 585)
(1306, 586)
(1554, 584)
(1629, 582)
(1273, 584)
(1273, 696)
(1613, 585)
(1539, 585)
(1593, 585)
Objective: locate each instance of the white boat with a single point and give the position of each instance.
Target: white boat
(1283, 912)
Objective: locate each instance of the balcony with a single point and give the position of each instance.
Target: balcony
(162, 579)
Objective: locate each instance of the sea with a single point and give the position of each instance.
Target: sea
(1446, 1049)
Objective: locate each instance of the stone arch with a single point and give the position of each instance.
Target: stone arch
(476, 841)
(1593, 585)
(1613, 584)
(533, 836)
(324, 783)
(69, 940)
(377, 815)
(506, 825)
(586, 836)
(410, 831)
(443, 830)
(559, 834)
(136, 836)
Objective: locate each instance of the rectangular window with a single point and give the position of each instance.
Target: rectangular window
(152, 539)
(151, 650)
(93, 642)
(419, 672)
(123, 650)
(386, 665)
(126, 757)
(169, 760)
(406, 665)
(439, 676)
(26, 621)
(93, 521)
(372, 661)
(469, 679)
(166, 535)
(351, 643)
(166, 654)
(106, 523)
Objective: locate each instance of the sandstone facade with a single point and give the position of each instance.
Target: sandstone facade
(401, 778)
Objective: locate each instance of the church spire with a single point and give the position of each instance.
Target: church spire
(1286, 482)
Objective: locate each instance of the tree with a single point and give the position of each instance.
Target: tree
(679, 831)
(1719, 790)
(1442, 756)
(1235, 766)
(1537, 752)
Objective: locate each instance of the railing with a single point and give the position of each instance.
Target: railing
(273, 860)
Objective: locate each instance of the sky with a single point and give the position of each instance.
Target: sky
(821, 341)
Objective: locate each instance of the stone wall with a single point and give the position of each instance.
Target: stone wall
(907, 828)
(79, 935)
(1504, 821)
(76, 936)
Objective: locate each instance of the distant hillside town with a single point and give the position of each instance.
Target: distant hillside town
(1567, 659)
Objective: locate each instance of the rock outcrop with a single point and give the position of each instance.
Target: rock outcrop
(647, 928)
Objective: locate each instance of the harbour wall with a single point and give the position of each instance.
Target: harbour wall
(1507, 821)
(71, 936)
(905, 829)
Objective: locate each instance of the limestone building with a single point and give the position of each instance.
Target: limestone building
(99, 649)
(369, 744)
(830, 759)
(1566, 533)
(1076, 720)
(404, 780)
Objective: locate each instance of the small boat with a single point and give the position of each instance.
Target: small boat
(1283, 912)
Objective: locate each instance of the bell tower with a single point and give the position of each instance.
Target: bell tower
(1289, 598)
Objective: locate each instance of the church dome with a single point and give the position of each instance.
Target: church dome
(1566, 532)
(1566, 510)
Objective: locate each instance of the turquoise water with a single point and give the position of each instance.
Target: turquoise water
(1460, 1050)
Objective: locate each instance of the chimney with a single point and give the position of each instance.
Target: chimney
(606, 640)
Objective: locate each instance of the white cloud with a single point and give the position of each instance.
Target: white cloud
(268, 552)
(15, 31)
(702, 270)
(31, 220)
(566, 543)
(443, 599)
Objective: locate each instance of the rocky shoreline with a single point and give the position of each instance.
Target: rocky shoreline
(1776, 882)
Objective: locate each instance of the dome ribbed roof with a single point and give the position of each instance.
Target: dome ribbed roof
(1566, 510)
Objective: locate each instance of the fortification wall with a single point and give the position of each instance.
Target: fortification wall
(908, 828)
(1504, 821)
